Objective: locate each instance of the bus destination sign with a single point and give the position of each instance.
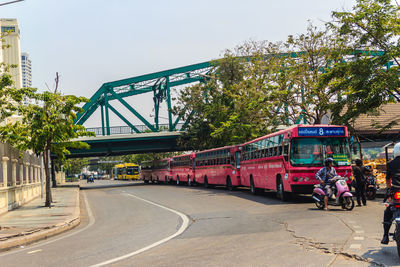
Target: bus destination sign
(321, 131)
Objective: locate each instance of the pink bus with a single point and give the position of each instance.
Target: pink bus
(161, 171)
(182, 168)
(146, 169)
(286, 161)
(218, 166)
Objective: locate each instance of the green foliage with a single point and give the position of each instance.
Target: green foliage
(362, 80)
(47, 126)
(139, 158)
(75, 166)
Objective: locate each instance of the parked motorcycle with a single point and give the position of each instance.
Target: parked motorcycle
(394, 205)
(90, 179)
(343, 196)
(370, 187)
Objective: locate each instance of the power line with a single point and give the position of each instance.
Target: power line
(12, 2)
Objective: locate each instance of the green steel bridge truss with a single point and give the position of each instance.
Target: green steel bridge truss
(159, 83)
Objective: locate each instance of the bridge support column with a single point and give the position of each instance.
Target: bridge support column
(107, 112)
(102, 120)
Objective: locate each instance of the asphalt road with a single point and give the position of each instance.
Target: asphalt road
(224, 229)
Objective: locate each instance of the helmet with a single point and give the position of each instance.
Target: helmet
(396, 150)
(328, 160)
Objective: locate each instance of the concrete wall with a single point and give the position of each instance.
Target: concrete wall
(20, 177)
(60, 178)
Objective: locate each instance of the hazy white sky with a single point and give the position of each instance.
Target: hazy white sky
(90, 42)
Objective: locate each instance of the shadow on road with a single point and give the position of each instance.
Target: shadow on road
(262, 197)
(387, 254)
(103, 186)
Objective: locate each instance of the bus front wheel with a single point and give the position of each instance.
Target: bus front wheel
(253, 189)
(206, 182)
(280, 191)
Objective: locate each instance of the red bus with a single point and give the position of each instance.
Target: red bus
(146, 169)
(218, 166)
(161, 171)
(286, 161)
(182, 168)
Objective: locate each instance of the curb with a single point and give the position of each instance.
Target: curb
(43, 233)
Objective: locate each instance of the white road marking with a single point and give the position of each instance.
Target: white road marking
(34, 251)
(355, 246)
(356, 226)
(91, 222)
(358, 238)
(185, 224)
(359, 232)
(352, 222)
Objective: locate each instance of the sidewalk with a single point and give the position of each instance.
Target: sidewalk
(32, 221)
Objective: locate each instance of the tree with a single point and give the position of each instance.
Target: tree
(75, 166)
(139, 158)
(46, 126)
(370, 77)
(259, 87)
(311, 55)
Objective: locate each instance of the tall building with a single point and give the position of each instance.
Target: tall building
(26, 65)
(12, 53)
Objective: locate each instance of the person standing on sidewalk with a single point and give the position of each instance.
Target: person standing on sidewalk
(358, 172)
(392, 179)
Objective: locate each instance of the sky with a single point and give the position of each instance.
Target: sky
(91, 42)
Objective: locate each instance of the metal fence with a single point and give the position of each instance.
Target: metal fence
(129, 130)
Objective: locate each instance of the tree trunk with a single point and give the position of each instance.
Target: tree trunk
(49, 199)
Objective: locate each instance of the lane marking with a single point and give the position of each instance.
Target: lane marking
(355, 246)
(356, 226)
(359, 232)
(91, 222)
(34, 251)
(352, 222)
(358, 238)
(185, 224)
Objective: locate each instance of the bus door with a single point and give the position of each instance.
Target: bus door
(237, 160)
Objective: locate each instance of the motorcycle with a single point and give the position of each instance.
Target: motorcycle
(90, 179)
(394, 205)
(340, 189)
(370, 187)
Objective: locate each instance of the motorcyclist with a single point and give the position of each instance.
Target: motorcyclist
(392, 180)
(324, 175)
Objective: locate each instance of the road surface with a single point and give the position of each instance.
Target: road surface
(133, 224)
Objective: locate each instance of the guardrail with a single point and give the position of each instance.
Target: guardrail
(129, 130)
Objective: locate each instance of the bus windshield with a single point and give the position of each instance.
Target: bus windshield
(132, 170)
(313, 151)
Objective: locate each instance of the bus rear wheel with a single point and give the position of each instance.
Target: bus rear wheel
(229, 184)
(206, 185)
(189, 182)
(253, 189)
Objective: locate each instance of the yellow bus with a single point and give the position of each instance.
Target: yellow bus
(126, 171)
(131, 171)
